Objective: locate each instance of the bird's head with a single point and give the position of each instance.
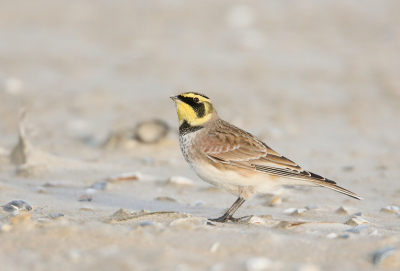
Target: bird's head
(194, 108)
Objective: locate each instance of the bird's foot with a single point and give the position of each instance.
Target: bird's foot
(241, 219)
(226, 218)
(221, 219)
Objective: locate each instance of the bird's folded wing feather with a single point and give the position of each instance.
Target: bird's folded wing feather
(228, 144)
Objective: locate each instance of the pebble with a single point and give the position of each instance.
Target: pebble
(147, 223)
(179, 180)
(128, 176)
(256, 220)
(357, 214)
(17, 205)
(289, 211)
(379, 256)
(188, 223)
(121, 214)
(358, 228)
(99, 186)
(299, 212)
(56, 215)
(294, 211)
(151, 131)
(342, 211)
(332, 236)
(356, 220)
(214, 247)
(258, 264)
(165, 199)
(275, 201)
(288, 225)
(85, 197)
(391, 209)
(59, 184)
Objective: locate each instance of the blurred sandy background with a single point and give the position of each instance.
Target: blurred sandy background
(316, 80)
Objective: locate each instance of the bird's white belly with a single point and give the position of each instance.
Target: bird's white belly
(231, 180)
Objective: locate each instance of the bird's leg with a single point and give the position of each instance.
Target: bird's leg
(228, 215)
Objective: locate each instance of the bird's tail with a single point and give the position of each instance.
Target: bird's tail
(337, 188)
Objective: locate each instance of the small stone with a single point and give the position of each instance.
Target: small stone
(358, 229)
(357, 220)
(289, 211)
(121, 214)
(128, 176)
(275, 201)
(147, 223)
(391, 209)
(56, 215)
(258, 264)
(59, 184)
(288, 225)
(214, 247)
(299, 212)
(332, 236)
(17, 205)
(357, 214)
(179, 180)
(379, 256)
(151, 131)
(99, 186)
(166, 199)
(342, 211)
(85, 197)
(256, 220)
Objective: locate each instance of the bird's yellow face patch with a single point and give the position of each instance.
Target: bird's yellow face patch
(194, 108)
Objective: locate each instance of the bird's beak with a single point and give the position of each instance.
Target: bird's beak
(175, 98)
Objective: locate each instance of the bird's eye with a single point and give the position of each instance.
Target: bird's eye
(196, 100)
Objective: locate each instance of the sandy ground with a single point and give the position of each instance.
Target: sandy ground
(316, 80)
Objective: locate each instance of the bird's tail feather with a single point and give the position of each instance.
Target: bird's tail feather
(338, 189)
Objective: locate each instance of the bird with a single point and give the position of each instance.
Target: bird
(230, 158)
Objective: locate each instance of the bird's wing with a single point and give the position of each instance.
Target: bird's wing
(228, 144)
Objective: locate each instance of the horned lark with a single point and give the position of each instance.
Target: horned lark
(235, 160)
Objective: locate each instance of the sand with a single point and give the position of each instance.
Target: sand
(317, 81)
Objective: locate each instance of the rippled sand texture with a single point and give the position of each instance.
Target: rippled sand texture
(316, 80)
